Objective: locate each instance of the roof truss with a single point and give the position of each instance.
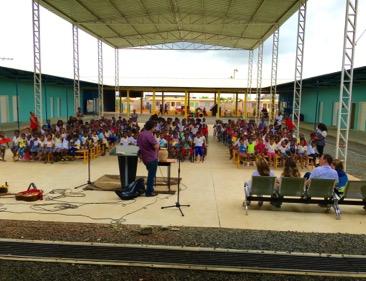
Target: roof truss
(134, 23)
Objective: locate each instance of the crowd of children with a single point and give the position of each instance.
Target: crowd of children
(61, 141)
(275, 142)
(186, 138)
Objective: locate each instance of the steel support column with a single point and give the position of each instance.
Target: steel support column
(345, 95)
(37, 73)
(218, 115)
(100, 78)
(128, 103)
(120, 104)
(296, 108)
(259, 78)
(153, 107)
(116, 75)
(236, 104)
(250, 80)
(76, 63)
(141, 104)
(189, 104)
(273, 88)
(185, 104)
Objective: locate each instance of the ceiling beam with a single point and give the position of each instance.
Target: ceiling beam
(111, 2)
(148, 14)
(251, 18)
(275, 26)
(175, 11)
(94, 15)
(198, 22)
(72, 20)
(145, 36)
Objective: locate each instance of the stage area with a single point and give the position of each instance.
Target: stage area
(214, 189)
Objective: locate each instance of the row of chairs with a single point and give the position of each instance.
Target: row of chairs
(293, 190)
(276, 162)
(83, 154)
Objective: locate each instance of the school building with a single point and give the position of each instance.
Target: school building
(320, 99)
(17, 96)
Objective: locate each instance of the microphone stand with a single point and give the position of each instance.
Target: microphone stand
(177, 204)
(88, 182)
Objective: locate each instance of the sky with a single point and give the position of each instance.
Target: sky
(323, 51)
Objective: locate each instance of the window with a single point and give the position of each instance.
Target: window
(58, 106)
(51, 108)
(4, 105)
(15, 109)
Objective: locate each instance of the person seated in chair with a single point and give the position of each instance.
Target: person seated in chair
(263, 170)
(324, 171)
(342, 177)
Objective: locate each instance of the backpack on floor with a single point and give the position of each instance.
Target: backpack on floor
(133, 190)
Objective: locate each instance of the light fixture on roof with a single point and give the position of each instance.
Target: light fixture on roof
(234, 72)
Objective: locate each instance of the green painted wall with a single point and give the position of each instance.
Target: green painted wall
(61, 94)
(329, 96)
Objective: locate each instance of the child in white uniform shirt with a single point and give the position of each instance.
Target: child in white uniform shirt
(199, 141)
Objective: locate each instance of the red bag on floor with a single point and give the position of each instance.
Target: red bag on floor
(31, 194)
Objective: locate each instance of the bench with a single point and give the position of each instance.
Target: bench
(292, 190)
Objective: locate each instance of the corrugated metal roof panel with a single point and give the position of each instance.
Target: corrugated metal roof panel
(130, 23)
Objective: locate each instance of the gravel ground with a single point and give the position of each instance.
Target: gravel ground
(28, 271)
(182, 236)
(187, 236)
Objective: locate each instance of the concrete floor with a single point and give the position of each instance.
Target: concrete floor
(214, 189)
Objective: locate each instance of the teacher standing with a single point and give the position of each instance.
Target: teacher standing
(148, 153)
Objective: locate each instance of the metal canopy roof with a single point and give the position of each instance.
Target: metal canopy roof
(324, 81)
(239, 24)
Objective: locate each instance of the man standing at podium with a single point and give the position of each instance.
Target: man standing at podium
(149, 154)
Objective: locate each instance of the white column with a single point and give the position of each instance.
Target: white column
(75, 45)
(273, 88)
(100, 78)
(116, 74)
(37, 74)
(296, 108)
(345, 95)
(259, 78)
